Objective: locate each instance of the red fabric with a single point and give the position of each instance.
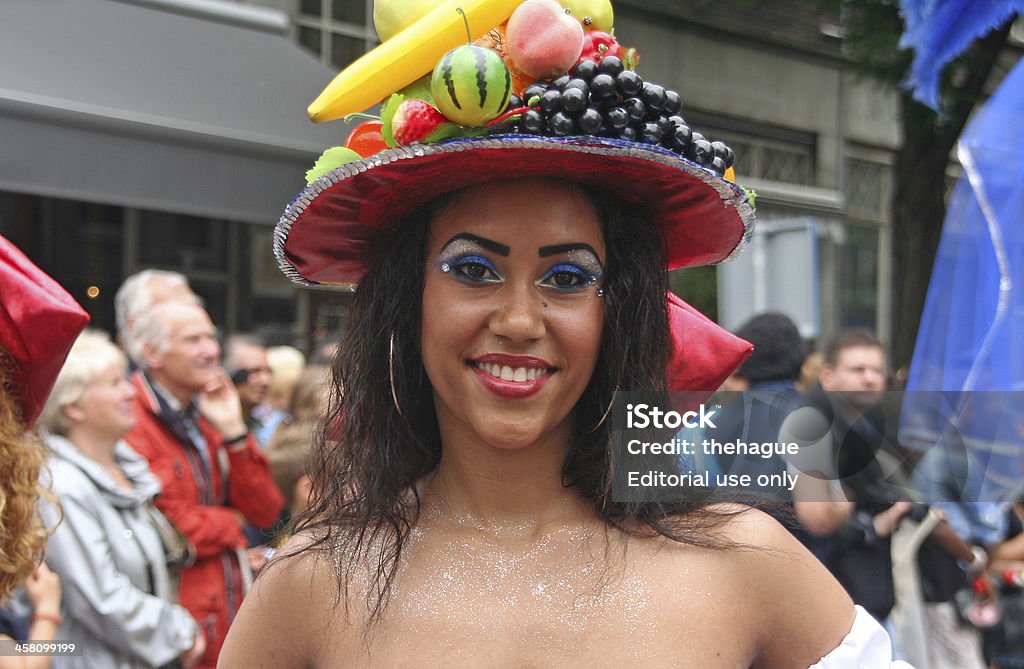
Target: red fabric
(39, 322)
(214, 530)
(704, 354)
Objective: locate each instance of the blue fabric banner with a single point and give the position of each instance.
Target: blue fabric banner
(971, 337)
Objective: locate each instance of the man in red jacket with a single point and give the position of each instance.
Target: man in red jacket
(215, 481)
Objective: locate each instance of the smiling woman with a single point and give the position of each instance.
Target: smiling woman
(511, 311)
(463, 512)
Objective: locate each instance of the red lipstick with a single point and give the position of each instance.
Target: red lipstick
(523, 375)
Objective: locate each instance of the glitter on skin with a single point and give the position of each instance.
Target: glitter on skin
(587, 262)
(464, 578)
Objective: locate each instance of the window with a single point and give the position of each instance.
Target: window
(89, 248)
(868, 190)
(771, 154)
(79, 244)
(183, 242)
(338, 31)
(782, 163)
(858, 278)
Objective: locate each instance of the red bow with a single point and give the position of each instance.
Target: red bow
(704, 354)
(39, 322)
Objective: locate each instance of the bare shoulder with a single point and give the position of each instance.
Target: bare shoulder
(801, 610)
(751, 527)
(763, 587)
(293, 606)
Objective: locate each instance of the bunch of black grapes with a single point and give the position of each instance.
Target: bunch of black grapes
(604, 99)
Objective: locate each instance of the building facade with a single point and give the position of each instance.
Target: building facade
(199, 175)
(157, 133)
(815, 142)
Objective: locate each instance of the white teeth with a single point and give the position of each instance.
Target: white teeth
(514, 374)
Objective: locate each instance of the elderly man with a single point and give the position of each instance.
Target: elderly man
(142, 291)
(215, 481)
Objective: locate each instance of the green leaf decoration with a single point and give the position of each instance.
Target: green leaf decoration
(387, 115)
(332, 158)
(419, 89)
(751, 196)
(443, 131)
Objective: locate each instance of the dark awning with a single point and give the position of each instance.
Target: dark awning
(131, 105)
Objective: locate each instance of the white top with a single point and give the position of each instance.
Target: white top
(867, 646)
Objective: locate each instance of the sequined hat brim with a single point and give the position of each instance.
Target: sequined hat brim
(321, 238)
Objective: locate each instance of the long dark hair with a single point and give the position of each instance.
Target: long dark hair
(382, 434)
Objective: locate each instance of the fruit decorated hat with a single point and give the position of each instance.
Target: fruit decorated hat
(478, 90)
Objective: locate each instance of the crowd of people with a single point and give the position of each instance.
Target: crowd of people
(175, 463)
(847, 507)
(160, 501)
(173, 469)
(446, 492)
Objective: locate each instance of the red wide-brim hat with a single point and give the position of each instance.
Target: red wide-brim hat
(322, 236)
(39, 322)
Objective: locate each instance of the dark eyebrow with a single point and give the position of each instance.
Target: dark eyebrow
(546, 251)
(488, 244)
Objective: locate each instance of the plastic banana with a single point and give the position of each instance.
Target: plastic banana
(407, 56)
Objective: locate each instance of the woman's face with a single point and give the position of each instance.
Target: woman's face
(512, 318)
(106, 407)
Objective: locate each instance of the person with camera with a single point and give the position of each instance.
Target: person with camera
(109, 549)
(245, 358)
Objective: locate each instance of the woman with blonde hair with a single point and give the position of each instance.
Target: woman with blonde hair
(289, 451)
(111, 548)
(38, 323)
(286, 366)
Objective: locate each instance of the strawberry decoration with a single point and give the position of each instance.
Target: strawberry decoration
(417, 121)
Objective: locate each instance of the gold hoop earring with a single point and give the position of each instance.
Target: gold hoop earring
(391, 374)
(607, 412)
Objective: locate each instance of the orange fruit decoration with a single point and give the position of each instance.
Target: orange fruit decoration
(366, 139)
